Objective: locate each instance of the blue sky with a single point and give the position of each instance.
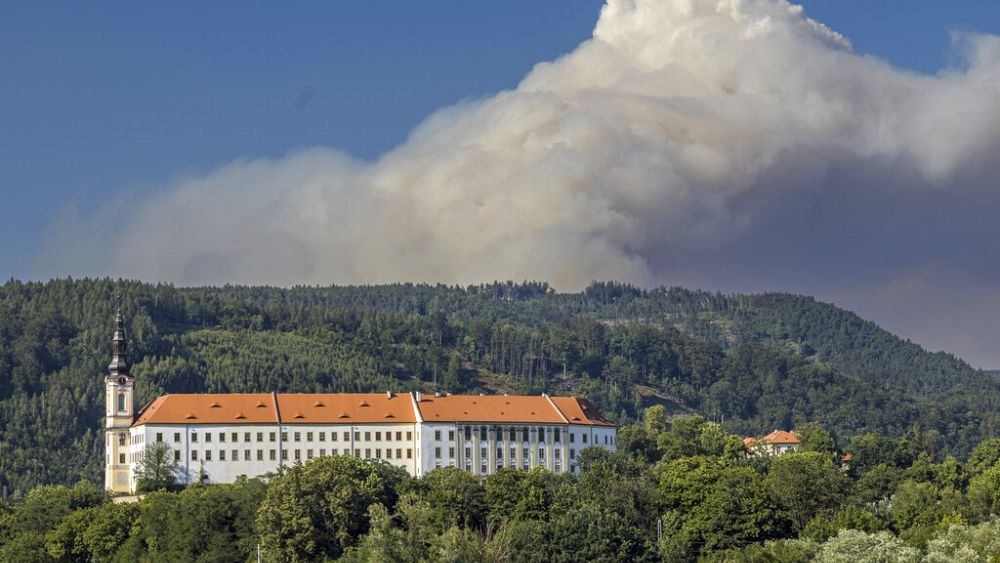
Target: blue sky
(99, 99)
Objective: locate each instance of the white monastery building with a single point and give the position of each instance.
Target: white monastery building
(220, 437)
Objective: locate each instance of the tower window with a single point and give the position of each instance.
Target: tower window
(121, 401)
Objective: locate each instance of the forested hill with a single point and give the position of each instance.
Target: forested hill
(754, 362)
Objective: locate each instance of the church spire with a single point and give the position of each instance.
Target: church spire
(119, 347)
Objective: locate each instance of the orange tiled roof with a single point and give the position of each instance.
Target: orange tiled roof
(218, 408)
(364, 408)
(346, 408)
(580, 411)
(481, 408)
(749, 442)
(781, 437)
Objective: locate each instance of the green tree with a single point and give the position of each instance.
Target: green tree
(814, 438)
(157, 468)
(984, 456)
(804, 484)
(320, 509)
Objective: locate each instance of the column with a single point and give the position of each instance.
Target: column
(549, 437)
(460, 444)
(519, 440)
(475, 451)
(492, 452)
(534, 446)
(565, 450)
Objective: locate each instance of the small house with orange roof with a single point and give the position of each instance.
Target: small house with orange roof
(775, 443)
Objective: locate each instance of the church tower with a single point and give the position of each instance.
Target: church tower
(118, 415)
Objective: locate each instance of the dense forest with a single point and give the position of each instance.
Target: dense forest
(678, 489)
(749, 362)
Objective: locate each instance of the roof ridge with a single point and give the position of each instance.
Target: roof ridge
(561, 414)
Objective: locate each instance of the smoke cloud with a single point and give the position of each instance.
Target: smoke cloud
(725, 144)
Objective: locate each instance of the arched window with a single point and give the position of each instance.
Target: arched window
(121, 401)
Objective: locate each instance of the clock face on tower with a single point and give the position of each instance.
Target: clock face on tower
(123, 380)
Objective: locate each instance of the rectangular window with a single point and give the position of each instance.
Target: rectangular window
(347, 436)
(468, 453)
(235, 456)
(260, 436)
(357, 436)
(557, 454)
(121, 459)
(437, 453)
(399, 436)
(284, 455)
(177, 455)
(194, 436)
(388, 453)
(159, 437)
(513, 455)
(298, 455)
(246, 437)
(177, 436)
(333, 436)
(309, 436)
(368, 453)
(222, 455)
(208, 455)
(584, 437)
(451, 453)
(378, 453)
(605, 440)
(409, 436)
(284, 436)
(399, 453)
(541, 454)
(388, 436)
(309, 454)
(500, 453)
(322, 452)
(260, 455)
(468, 433)
(322, 436)
(572, 438)
(208, 436)
(555, 435)
(541, 435)
(346, 451)
(271, 455)
(482, 453)
(357, 452)
(482, 434)
(451, 435)
(298, 436)
(524, 437)
(572, 453)
(513, 435)
(437, 435)
(246, 455)
(271, 436)
(194, 455)
(378, 436)
(368, 436)
(235, 437)
(409, 453)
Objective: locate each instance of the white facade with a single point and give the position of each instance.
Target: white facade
(224, 453)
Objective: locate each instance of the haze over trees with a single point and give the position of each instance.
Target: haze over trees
(751, 362)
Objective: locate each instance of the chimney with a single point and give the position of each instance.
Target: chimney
(388, 394)
(419, 396)
(437, 393)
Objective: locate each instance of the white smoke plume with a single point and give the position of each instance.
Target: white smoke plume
(730, 144)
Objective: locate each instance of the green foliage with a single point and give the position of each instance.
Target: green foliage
(320, 509)
(751, 362)
(814, 438)
(157, 468)
(793, 507)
